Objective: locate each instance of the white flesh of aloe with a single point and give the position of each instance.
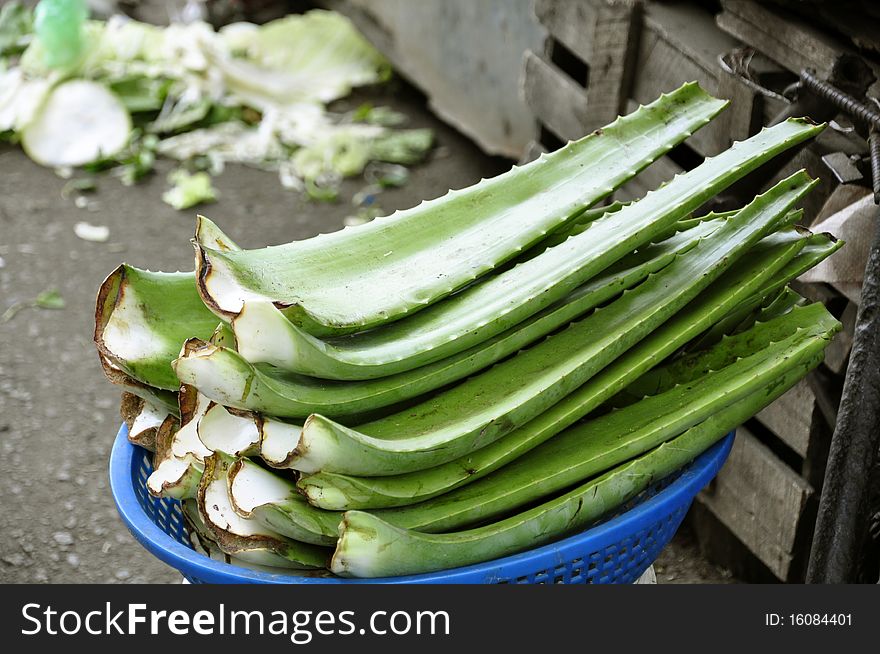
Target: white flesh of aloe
(228, 431)
(275, 503)
(180, 454)
(246, 538)
(142, 318)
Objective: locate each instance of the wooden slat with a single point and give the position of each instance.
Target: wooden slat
(741, 118)
(571, 22)
(691, 29)
(603, 34)
(760, 500)
(611, 62)
(784, 38)
(789, 417)
(557, 101)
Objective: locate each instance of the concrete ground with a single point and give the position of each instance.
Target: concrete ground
(58, 415)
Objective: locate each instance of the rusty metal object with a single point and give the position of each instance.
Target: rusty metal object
(874, 145)
(850, 76)
(840, 99)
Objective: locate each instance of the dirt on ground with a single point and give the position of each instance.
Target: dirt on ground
(59, 416)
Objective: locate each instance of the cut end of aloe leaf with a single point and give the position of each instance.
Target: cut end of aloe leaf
(217, 509)
(120, 334)
(243, 537)
(278, 442)
(264, 335)
(305, 452)
(175, 477)
(142, 317)
(250, 486)
(209, 235)
(198, 366)
(356, 553)
(157, 396)
(186, 441)
(235, 433)
(327, 445)
(143, 419)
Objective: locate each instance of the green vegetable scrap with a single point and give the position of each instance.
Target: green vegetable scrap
(189, 189)
(58, 25)
(16, 25)
(255, 95)
(48, 299)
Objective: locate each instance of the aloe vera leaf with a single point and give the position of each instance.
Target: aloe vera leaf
(193, 406)
(180, 454)
(254, 558)
(275, 442)
(784, 301)
(159, 397)
(275, 503)
(577, 225)
(360, 277)
(587, 449)
(484, 408)
(245, 538)
(175, 476)
(727, 324)
(227, 430)
(143, 419)
(786, 349)
(142, 318)
(683, 369)
(371, 547)
(226, 377)
(818, 248)
(774, 305)
(264, 335)
(211, 236)
(500, 301)
(336, 491)
(583, 221)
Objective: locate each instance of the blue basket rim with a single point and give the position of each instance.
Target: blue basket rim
(191, 563)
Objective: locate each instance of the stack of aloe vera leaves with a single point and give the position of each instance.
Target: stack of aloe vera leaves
(478, 375)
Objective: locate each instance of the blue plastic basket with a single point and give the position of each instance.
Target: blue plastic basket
(616, 550)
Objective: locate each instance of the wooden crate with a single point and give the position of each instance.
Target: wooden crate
(760, 499)
(607, 57)
(631, 51)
